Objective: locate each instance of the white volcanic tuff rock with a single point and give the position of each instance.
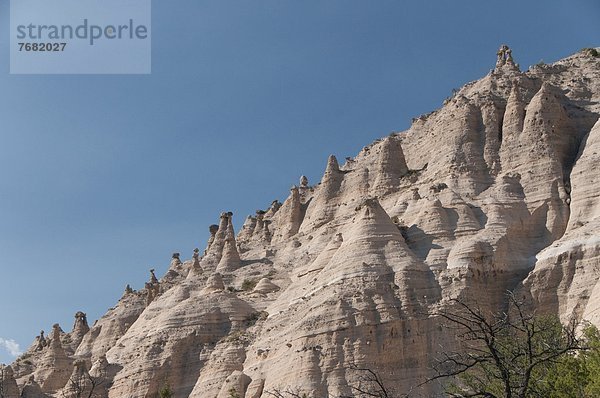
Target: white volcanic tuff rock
(216, 243)
(9, 384)
(491, 118)
(391, 166)
(373, 241)
(55, 366)
(169, 338)
(214, 283)
(257, 230)
(245, 233)
(510, 228)
(370, 278)
(213, 232)
(230, 260)
(236, 383)
(476, 190)
(274, 208)
(289, 217)
(468, 146)
(80, 328)
(265, 286)
(550, 141)
(585, 204)
(433, 219)
(80, 382)
(255, 388)
(572, 264)
(195, 266)
(222, 363)
(262, 232)
(322, 208)
(31, 389)
(457, 130)
(464, 216)
(342, 189)
(105, 333)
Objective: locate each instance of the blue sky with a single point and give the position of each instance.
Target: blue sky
(103, 177)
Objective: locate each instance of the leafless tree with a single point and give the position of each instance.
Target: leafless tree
(502, 354)
(369, 384)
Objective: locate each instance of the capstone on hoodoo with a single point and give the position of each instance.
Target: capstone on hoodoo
(505, 58)
(152, 288)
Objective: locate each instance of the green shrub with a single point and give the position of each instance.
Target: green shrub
(255, 317)
(249, 284)
(165, 391)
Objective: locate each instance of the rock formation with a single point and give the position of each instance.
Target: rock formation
(265, 286)
(31, 389)
(80, 328)
(175, 261)
(497, 190)
(8, 382)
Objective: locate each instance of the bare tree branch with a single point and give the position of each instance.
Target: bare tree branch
(501, 352)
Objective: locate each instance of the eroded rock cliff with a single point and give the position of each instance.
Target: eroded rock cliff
(497, 190)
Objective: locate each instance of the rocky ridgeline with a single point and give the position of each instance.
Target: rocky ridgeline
(499, 189)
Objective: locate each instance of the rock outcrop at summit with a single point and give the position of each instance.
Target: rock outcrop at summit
(497, 190)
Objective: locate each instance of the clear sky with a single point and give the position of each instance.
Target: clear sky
(103, 177)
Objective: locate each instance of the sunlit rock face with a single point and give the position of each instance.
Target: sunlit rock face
(497, 190)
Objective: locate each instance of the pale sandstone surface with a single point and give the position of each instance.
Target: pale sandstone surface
(496, 190)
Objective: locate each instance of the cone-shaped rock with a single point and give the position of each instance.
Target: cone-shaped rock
(55, 367)
(9, 384)
(230, 257)
(495, 176)
(80, 328)
(514, 116)
(323, 207)
(265, 286)
(274, 208)
(289, 216)
(247, 230)
(391, 166)
(196, 268)
(230, 260)
(80, 383)
(214, 283)
(374, 246)
(32, 389)
(100, 367)
(213, 254)
(212, 229)
(330, 183)
(261, 233)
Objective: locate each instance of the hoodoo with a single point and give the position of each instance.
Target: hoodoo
(497, 190)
